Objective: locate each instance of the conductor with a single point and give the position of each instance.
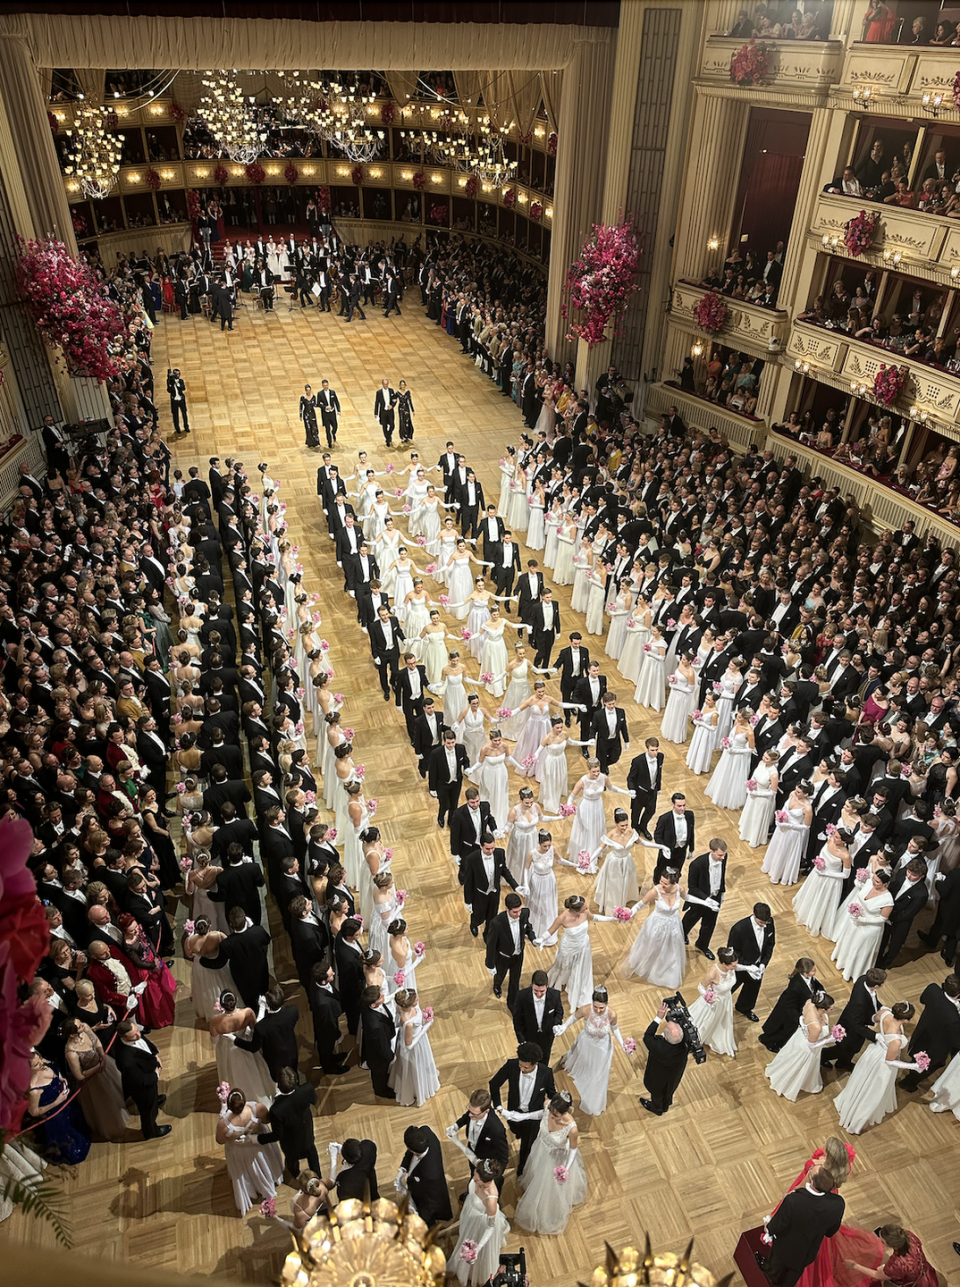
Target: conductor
(666, 1063)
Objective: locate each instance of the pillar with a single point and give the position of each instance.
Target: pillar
(581, 162)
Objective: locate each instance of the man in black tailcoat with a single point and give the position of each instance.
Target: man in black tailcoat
(666, 1064)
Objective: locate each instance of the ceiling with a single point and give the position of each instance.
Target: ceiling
(586, 13)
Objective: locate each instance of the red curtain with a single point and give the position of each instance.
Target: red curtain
(770, 200)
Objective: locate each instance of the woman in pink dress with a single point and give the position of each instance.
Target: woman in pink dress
(143, 965)
(905, 1265)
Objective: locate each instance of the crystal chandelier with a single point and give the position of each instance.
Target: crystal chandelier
(232, 118)
(490, 162)
(94, 152)
(343, 122)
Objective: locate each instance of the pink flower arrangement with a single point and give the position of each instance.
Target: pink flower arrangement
(510, 198)
(751, 784)
(858, 232)
(186, 864)
(419, 948)
(820, 862)
(419, 180)
(622, 914)
(717, 686)
(629, 1046)
(567, 810)
(387, 854)
(181, 788)
(647, 648)
(310, 797)
(503, 712)
(856, 910)
(486, 677)
(268, 1208)
(468, 1251)
(601, 281)
(69, 306)
(153, 180)
(401, 897)
(710, 313)
(388, 113)
(421, 540)
(372, 806)
(837, 1032)
(861, 876)
(922, 1060)
(360, 772)
(749, 65)
(584, 861)
(223, 1090)
(338, 698)
(697, 714)
(536, 211)
(905, 771)
(291, 173)
(830, 829)
(255, 172)
(466, 634)
(348, 734)
(299, 728)
(189, 927)
(726, 743)
(398, 978)
(888, 382)
(357, 175)
(443, 599)
(398, 491)
(673, 680)
(782, 816)
(332, 834)
(710, 996)
(561, 1174)
(324, 646)
(754, 721)
(528, 761)
(427, 1013)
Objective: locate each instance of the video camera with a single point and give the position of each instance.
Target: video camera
(678, 1013)
(512, 1270)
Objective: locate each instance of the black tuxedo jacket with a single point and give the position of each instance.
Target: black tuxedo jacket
(744, 942)
(544, 1088)
(665, 832)
(276, 1036)
(138, 1069)
(423, 743)
(938, 1029)
(527, 598)
(427, 1185)
(500, 937)
(568, 680)
(857, 1015)
(437, 767)
(404, 687)
(239, 886)
(492, 1140)
(583, 695)
(463, 833)
(638, 779)
(600, 728)
(800, 1224)
(291, 1122)
(525, 1015)
(378, 643)
(473, 877)
(246, 954)
(378, 1032)
(698, 878)
(906, 908)
(310, 944)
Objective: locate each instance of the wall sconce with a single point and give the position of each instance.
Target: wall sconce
(73, 187)
(308, 170)
(342, 170)
(802, 367)
(931, 103)
(167, 174)
(376, 174)
(201, 174)
(539, 132)
(406, 175)
(461, 183)
(713, 244)
(697, 349)
(955, 272)
(892, 258)
(522, 198)
(134, 178)
(858, 390)
(862, 94)
(830, 243)
(237, 171)
(550, 213)
(915, 413)
(123, 111)
(436, 178)
(486, 187)
(156, 111)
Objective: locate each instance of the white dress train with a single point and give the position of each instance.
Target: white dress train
(658, 952)
(546, 1203)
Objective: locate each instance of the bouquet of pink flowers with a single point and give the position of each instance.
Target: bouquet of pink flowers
(391, 467)
(584, 861)
(710, 313)
(673, 680)
(468, 1251)
(332, 834)
(503, 712)
(398, 978)
(631, 624)
(443, 599)
(421, 540)
(837, 1032)
(528, 761)
(858, 232)
(567, 810)
(905, 771)
(372, 807)
(856, 910)
(430, 569)
(427, 1013)
(611, 605)
(223, 1092)
(419, 948)
(717, 686)
(922, 1060)
(698, 713)
(670, 623)
(387, 854)
(348, 734)
(647, 648)
(398, 491)
(298, 728)
(401, 897)
(782, 816)
(561, 1174)
(710, 996)
(186, 864)
(189, 927)
(622, 914)
(754, 721)
(406, 509)
(268, 1207)
(629, 1046)
(324, 646)
(486, 677)
(181, 788)
(830, 829)
(310, 797)
(751, 784)
(820, 862)
(725, 743)
(465, 634)
(888, 382)
(861, 875)
(360, 772)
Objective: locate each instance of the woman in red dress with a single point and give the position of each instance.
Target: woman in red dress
(840, 1258)
(144, 966)
(905, 1264)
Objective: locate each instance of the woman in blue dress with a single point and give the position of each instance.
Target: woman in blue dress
(65, 1134)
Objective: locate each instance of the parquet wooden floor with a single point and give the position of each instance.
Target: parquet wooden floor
(725, 1153)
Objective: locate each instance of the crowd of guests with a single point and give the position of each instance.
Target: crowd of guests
(748, 276)
(783, 20)
(731, 379)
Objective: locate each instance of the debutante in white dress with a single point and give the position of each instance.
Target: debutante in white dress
(522, 838)
(535, 533)
(658, 953)
(478, 614)
(728, 691)
(471, 732)
(573, 966)
(858, 939)
(632, 654)
(564, 572)
(714, 1019)
(786, 849)
(551, 772)
(703, 743)
(460, 585)
(797, 1066)
(815, 903)
(589, 823)
(946, 1089)
(759, 808)
(551, 528)
(597, 598)
(487, 1233)
(543, 900)
(675, 726)
(588, 1062)
(650, 685)
(727, 787)
(871, 1090)
(492, 781)
(506, 478)
(255, 1170)
(617, 885)
(535, 729)
(244, 1068)
(493, 659)
(413, 1074)
(546, 1204)
(433, 654)
(518, 690)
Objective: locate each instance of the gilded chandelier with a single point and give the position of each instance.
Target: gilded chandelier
(94, 152)
(232, 118)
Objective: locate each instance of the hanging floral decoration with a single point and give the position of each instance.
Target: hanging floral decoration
(194, 204)
(69, 306)
(536, 211)
(388, 113)
(112, 121)
(323, 199)
(255, 172)
(888, 382)
(510, 198)
(470, 187)
(358, 175)
(78, 221)
(220, 175)
(601, 280)
(552, 141)
(153, 180)
(291, 173)
(710, 314)
(956, 91)
(750, 64)
(438, 214)
(55, 124)
(858, 232)
(177, 114)
(526, 137)
(419, 180)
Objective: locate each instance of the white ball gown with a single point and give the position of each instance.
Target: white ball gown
(588, 1062)
(815, 903)
(858, 939)
(413, 1074)
(946, 1089)
(535, 729)
(433, 654)
(714, 1020)
(535, 532)
(597, 599)
(871, 1091)
(650, 685)
(255, 1170)
(563, 573)
(551, 772)
(546, 1204)
(243, 1069)
(786, 849)
(728, 691)
(589, 823)
(675, 726)
(471, 732)
(703, 743)
(454, 700)
(759, 808)
(658, 953)
(727, 787)
(617, 885)
(382, 915)
(489, 1233)
(493, 659)
(542, 901)
(632, 655)
(617, 634)
(492, 781)
(478, 614)
(522, 838)
(518, 690)
(460, 584)
(797, 1066)
(573, 966)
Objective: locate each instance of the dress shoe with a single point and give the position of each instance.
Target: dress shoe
(843, 1065)
(956, 1247)
(926, 938)
(748, 1014)
(762, 1263)
(705, 951)
(161, 1100)
(461, 1198)
(498, 992)
(474, 931)
(646, 834)
(686, 941)
(159, 1132)
(648, 1105)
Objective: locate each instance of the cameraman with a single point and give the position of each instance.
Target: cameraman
(666, 1063)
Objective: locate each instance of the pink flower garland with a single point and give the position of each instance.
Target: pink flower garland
(601, 280)
(710, 314)
(888, 382)
(858, 232)
(749, 65)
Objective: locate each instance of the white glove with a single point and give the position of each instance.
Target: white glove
(451, 1131)
(523, 890)
(132, 1002)
(557, 1029)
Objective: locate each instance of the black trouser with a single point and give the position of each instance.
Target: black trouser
(330, 429)
(353, 305)
(526, 1133)
(608, 751)
(388, 424)
(708, 923)
(749, 988)
(387, 666)
(292, 1160)
(503, 578)
(672, 858)
(483, 908)
(586, 724)
(412, 707)
(324, 299)
(379, 1075)
(642, 808)
(448, 798)
(393, 301)
(544, 646)
(470, 520)
(147, 1107)
(509, 965)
